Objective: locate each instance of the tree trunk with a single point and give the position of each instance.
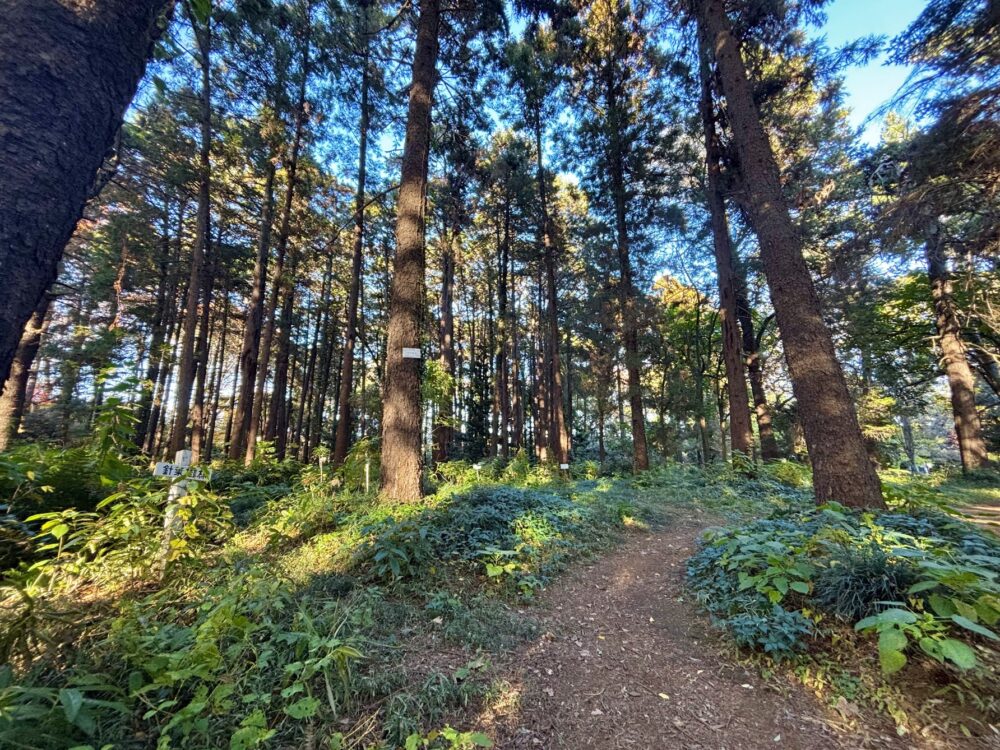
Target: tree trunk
(626, 286)
(12, 400)
(278, 280)
(68, 70)
(961, 381)
(841, 469)
(751, 350)
(558, 434)
(740, 430)
(255, 320)
(443, 429)
(342, 438)
(200, 249)
(401, 460)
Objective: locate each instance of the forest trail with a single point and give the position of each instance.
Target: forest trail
(627, 661)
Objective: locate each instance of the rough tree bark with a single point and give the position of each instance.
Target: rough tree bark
(12, 400)
(401, 460)
(558, 433)
(841, 469)
(200, 248)
(58, 118)
(255, 320)
(343, 435)
(755, 371)
(740, 430)
(626, 285)
(961, 381)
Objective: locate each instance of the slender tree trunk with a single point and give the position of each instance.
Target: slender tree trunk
(841, 469)
(201, 357)
(626, 286)
(217, 376)
(755, 372)
(401, 455)
(68, 70)
(12, 400)
(908, 444)
(443, 429)
(200, 249)
(961, 381)
(558, 434)
(255, 320)
(740, 430)
(157, 335)
(346, 386)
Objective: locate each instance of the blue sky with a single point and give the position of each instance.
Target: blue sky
(868, 87)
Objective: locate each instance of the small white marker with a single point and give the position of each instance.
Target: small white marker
(563, 466)
(411, 352)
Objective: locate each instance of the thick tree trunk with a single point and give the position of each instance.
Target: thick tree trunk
(343, 435)
(12, 400)
(961, 381)
(255, 320)
(401, 423)
(68, 70)
(740, 430)
(200, 249)
(841, 469)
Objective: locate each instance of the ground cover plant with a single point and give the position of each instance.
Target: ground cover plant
(917, 588)
(284, 622)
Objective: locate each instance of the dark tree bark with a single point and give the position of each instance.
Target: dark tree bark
(200, 249)
(841, 469)
(401, 459)
(255, 320)
(157, 335)
(961, 381)
(558, 434)
(626, 285)
(740, 430)
(342, 438)
(751, 350)
(13, 399)
(443, 430)
(68, 70)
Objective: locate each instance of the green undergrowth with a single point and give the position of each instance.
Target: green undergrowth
(829, 591)
(294, 611)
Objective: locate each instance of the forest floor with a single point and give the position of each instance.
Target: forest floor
(626, 660)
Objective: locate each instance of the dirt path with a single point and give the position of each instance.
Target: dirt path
(627, 662)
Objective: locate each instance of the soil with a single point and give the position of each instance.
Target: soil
(628, 661)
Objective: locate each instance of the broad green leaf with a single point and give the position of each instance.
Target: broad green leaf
(72, 701)
(891, 661)
(959, 653)
(480, 740)
(974, 627)
(303, 708)
(801, 586)
(896, 616)
(941, 605)
(922, 586)
(892, 639)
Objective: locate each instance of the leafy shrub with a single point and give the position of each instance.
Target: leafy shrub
(856, 579)
(780, 633)
(924, 580)
(789, 473)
